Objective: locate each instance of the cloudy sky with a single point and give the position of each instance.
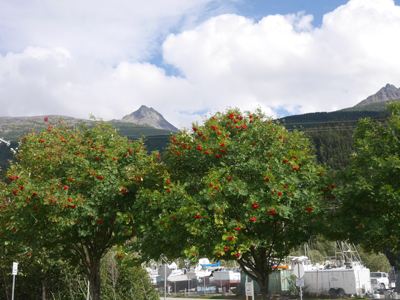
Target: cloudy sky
(186, 58)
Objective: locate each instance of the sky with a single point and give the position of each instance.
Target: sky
(190, 58)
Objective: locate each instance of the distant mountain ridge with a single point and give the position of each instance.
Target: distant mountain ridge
(143, 122)
(387, 93)
(372, 106)
(149, 116)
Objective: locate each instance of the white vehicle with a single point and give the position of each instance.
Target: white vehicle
(343, 275)
(352, 278)
(379, 280)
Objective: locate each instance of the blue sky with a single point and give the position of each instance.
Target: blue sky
(187, 58)
(258, 9)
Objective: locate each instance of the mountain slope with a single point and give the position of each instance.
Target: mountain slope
(388, 92)
(149, 116)
(374, 106)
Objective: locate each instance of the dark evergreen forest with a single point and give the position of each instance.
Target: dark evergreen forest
(331, 133)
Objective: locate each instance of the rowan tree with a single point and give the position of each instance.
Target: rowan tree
(370, 196)
(72, 192)
(241, 188)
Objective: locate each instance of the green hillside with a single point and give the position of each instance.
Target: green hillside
(331, 133)
(313, 119)
(380, 106)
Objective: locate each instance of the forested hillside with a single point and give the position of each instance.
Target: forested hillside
(313, 119)
(331, 133)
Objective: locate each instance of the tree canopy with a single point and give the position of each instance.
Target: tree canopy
(370, 205)
(241, 188)
(73, 192)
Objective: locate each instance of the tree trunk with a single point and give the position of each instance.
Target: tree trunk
(264, 287)
(95, 279)
(43, 291)
(259, 275)
(5, 283)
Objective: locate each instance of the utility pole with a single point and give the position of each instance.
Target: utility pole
(14, 272)
(165, 278)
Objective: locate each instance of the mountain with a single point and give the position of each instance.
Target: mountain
(387, 93)
(13, 128)
(151, 117)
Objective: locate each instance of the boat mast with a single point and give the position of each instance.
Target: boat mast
(347, 253)
(5, 142)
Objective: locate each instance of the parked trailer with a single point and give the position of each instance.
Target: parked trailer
(354, 279)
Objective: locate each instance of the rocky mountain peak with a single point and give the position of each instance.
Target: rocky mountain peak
(388, 92)
(149, 116)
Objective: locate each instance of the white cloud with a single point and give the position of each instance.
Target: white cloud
(49, 81)
(283, 61)
(228, 60)
(109, 31)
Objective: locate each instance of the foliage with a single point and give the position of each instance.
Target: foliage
(332, 145)
(324, 246)
(323, 249)
(374, 261)
(40, 277)
(71, 194)
(331, 133)
(122, 281)
(158, 143)
(331, 136)
(58, 280)
(370, 205)
(241, 188)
